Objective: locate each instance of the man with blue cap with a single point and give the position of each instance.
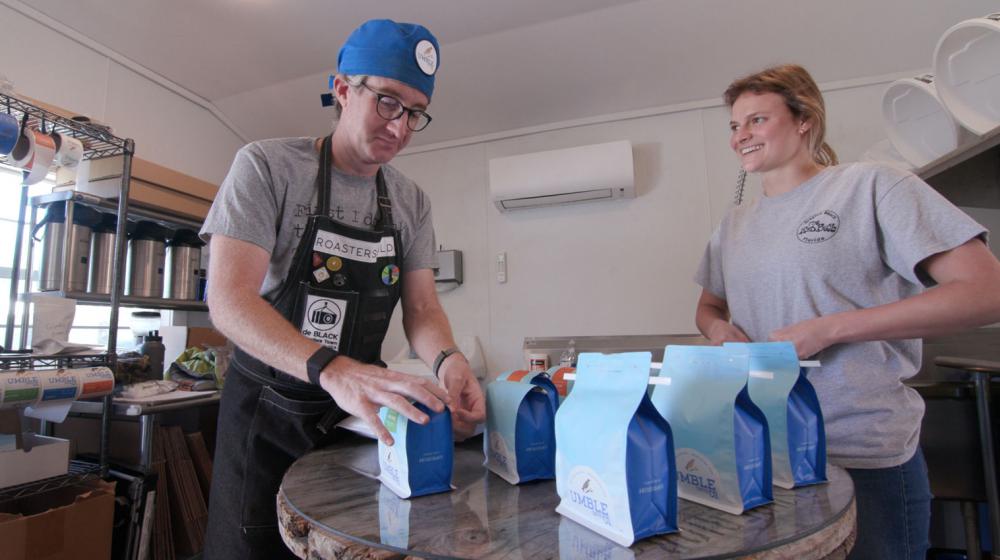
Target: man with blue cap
(313, 242)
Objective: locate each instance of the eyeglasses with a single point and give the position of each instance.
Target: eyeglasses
(390, 109)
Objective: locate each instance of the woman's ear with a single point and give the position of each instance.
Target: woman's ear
(804, 127)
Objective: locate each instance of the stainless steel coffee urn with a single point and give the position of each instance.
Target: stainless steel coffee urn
(102, 255)
(183, 265)
(146, 259)
(65, 251)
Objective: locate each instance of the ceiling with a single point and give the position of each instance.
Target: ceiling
(508, 64)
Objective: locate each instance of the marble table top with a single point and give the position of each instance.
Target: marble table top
(331, 506)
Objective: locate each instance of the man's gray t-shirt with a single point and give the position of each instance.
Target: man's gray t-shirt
(851, 237)
(271, 189)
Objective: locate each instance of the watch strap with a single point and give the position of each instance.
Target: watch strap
(441, 358)
(318, 361)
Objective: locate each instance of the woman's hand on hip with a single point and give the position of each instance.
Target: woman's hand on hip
(724, 331)
(809, 337)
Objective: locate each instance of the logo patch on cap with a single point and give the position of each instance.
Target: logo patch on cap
(427, 57)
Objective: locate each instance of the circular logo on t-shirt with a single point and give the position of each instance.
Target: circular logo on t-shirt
(818, 227)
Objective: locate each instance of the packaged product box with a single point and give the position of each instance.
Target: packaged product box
(151, 184)
(40, 457)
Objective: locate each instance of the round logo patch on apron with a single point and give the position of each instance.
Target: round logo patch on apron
(334, 264)
(390, 274)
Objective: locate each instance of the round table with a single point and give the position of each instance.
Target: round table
(330, 505)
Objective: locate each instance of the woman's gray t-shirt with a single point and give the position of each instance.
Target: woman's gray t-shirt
(271, 189)
(851, 237)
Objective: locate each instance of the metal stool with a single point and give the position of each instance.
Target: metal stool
(981, 373)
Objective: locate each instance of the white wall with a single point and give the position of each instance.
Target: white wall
(594, 269)
(167, 128)
(607, 268)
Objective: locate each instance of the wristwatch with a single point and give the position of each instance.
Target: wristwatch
(318, 361)
(441, 357)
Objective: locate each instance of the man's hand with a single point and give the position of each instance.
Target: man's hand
(361, 389)
(468, 406)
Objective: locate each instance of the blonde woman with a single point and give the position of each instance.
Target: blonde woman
(853, 263)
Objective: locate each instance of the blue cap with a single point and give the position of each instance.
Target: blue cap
(406, 52)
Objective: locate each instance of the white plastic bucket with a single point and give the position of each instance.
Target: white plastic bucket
(917, 123)
(967, 66)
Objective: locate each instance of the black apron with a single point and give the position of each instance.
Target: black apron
(340, 291)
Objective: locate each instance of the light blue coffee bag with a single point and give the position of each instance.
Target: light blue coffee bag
(779, 387)
(723, 450)
(614, 453)
(519, 441)
(558, 376)
(541, 379)
(419, 461)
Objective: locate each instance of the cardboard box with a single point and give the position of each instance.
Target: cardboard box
(70, 522)
(151, 185)
(46, 457)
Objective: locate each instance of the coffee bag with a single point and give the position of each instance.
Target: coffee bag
(615, 470)
(419, 461)
(519, 441)
(721, 437)
(780, 388)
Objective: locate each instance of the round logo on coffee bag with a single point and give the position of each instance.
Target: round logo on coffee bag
(818, 227)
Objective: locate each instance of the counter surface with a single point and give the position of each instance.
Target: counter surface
(331, 506)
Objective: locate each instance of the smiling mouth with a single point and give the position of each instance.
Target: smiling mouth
(750, 149)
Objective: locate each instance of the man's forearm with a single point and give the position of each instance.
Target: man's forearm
(428, 333)
(257, 328)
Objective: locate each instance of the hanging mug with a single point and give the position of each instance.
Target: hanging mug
(9, 132)
(69, 150)
(45, 153)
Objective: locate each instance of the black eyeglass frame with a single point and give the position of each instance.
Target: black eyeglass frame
(411, 113)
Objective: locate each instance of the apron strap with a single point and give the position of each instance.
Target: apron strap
(324, 180)
(384, 218)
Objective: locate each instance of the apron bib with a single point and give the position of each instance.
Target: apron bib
(342, 286)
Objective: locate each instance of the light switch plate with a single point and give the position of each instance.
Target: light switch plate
(501, 267)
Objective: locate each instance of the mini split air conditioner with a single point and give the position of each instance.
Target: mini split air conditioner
(581, 174)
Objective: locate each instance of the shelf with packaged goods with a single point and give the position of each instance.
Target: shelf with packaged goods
(139, 212)
(134, 301)
(135, 209)
(25, 360)
(98, 142)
